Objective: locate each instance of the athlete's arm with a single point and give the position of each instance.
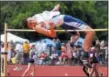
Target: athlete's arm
(40, 29)
(56, 8)
(75, 37)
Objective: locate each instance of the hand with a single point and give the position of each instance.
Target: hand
(56, 8)
(58, 5)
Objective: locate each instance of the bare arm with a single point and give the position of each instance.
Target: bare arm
(78, 33)
(40, 29)
(56, 8)
(75, 37)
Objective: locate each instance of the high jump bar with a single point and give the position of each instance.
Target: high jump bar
(29, 30)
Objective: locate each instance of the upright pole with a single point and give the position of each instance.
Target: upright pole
(4, 55)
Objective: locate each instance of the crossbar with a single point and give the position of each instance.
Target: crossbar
(29, 30)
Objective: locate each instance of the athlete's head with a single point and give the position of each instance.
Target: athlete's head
(30, 22)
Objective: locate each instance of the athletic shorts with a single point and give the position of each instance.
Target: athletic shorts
(31, 61)
(73, 23)
(94, 60)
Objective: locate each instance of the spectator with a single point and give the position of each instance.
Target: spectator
(94, 63)
(42, 58)
(9, 50)
(65, 53)
(102, 49)
(2, 47)
(63, 48)
(78, 54)
(13, 54)
(69, 53)
(54, 58)
(12, 44)
(97, 42)
(74, 55)
(43, 45)
(106, 55)
(53, 49)
(18, 56)
(58, 46)
(63, 56)
(33, 54)
(26, 49)
(32, 51)
(39, 47)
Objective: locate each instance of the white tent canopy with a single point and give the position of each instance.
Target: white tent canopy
(12, 37)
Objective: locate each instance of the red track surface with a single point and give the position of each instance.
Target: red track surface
(51, 71)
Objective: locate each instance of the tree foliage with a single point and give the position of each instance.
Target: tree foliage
(94, 13)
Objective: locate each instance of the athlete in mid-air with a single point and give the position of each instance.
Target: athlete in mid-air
(46, 22)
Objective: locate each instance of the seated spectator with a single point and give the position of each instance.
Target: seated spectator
(63, 57)
(13, 60)
(42, 58)
(47, 60)
(63, 48)
(54, 58)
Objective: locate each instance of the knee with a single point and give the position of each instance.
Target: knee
(90, 33)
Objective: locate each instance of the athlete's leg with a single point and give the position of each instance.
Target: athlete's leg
(26, 71)
(97, 70)
(85, 70)
(33, 70)
(71, 23)
(88, 38)
(92, 70)
(74, 37)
